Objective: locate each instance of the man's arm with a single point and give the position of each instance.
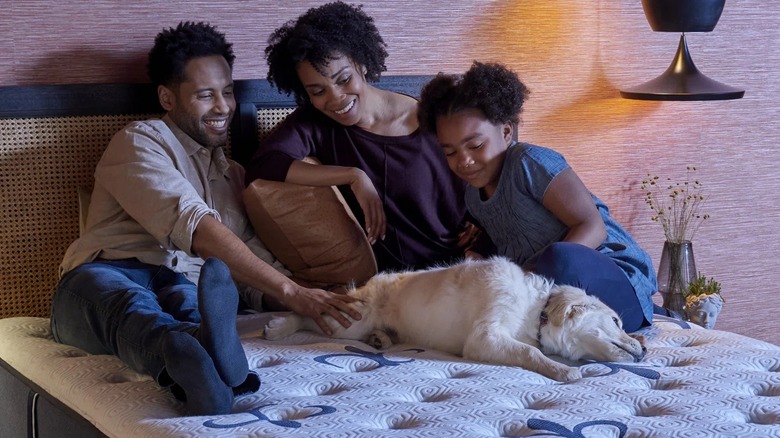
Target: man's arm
(213, 239)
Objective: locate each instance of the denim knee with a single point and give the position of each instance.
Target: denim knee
(560, 261)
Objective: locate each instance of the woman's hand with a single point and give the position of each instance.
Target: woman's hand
(371, 204)
(367, 197)
(317, 303)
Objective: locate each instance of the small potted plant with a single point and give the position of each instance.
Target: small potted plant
(703, 301)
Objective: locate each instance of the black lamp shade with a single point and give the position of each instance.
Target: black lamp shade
(682, 80)
(683, 15)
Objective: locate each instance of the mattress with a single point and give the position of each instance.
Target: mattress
(692, 383)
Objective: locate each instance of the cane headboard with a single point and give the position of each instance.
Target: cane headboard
(51, 137)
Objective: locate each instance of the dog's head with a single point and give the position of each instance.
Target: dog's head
(581, 327)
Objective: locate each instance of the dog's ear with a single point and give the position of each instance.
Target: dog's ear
(561, 312)
(567, 303)
(575, 310)
(559, 308)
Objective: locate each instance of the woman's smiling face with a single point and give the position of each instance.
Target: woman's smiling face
(336, 89)
(474, 147)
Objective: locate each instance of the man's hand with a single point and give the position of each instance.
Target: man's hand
(316, 303)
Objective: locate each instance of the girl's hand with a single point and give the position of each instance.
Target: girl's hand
(471, 255)
(467, 236)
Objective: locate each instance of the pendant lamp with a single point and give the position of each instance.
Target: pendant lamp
(682, 80)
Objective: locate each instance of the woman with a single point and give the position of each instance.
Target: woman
(392, 175)
(528, 199)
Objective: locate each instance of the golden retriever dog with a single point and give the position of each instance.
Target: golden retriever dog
(488, 311)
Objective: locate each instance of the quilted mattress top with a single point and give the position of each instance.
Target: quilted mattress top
(693, 383)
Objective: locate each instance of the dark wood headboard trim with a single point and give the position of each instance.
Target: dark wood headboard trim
(77, 100)
(111, 99)
(94, 99)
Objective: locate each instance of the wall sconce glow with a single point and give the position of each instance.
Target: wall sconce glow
(682, 80)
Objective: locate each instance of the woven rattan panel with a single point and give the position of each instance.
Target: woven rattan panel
(42, 163)
(268, 118)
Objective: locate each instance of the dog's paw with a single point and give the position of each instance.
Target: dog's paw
(379, 340)
(566, 374)
(280, 326)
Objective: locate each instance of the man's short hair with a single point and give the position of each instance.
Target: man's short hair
(173, 47)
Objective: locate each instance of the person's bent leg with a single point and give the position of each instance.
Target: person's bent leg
(177, 295)
(218, 334)
(580, 266)
(104, 307)
(190, 366)
(218, 303)
(113, 307)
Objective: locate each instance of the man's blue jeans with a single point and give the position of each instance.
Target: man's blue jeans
(124, 308)
(580, 266)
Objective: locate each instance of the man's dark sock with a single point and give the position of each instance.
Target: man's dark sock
(191, 368)
(218, 304)
(249, 386)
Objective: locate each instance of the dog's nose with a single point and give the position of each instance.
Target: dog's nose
(640, 356)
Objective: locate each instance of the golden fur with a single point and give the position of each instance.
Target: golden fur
(486, 311)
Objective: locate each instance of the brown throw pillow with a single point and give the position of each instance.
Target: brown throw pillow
(311, 231)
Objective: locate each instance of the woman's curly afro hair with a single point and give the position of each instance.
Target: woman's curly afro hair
(492, 88)
(173, 47)
(320, 35)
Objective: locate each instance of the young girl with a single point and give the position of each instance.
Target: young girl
(528, 199)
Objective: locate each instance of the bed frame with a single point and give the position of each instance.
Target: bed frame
(693, 382)
(51, 137)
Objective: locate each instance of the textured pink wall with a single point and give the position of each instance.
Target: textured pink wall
(573, 54)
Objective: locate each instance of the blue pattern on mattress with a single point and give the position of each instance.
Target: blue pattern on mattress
(379, 358)
(216, 424)
(576, 432)
(639, 371)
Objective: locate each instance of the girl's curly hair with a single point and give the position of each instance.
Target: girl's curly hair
(320, 35)
(173, 47)
(492, 88)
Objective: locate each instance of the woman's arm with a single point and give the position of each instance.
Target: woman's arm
(571, 202)
(309, 174)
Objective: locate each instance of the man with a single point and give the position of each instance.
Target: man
(151, 280)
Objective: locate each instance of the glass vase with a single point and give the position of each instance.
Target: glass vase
(676, 270)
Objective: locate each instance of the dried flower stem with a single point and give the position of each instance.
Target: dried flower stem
(679, 210)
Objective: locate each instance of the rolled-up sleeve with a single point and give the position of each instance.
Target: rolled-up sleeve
(184, 226)
(148, 177)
